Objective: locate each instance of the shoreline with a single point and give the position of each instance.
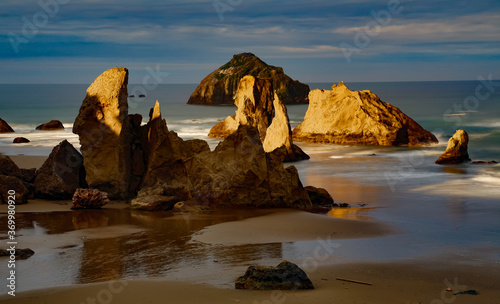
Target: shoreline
(399, 282)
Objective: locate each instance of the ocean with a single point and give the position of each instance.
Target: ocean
(437, 209)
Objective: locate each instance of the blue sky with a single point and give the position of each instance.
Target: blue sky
(73, 41)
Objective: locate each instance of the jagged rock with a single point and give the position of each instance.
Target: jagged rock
(286, 276)
(456, 151)
(51, 126)
(342, 116)
(99, 126)
(166, 153)
(260, 107)
(8, 183)
(239, 173)
(8, 167)
(18, 253)
(61, 174)
(28, 175)
(319, 196)
(220, 86)
(4, 127)
(89, 199)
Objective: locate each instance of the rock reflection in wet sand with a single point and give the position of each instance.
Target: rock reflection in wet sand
(87, 246)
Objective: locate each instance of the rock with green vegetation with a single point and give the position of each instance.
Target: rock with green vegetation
(286, 276)
(220, 86)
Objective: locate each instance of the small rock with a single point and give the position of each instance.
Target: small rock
(19, 253)
(51, 126)
(319, 196)
(4, 127)
(20, 140)
(482, 162)
(89, 199)
(286, 276)
(456, 151)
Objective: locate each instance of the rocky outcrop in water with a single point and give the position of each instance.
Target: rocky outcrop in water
(342, 116)
(4, 127)
(99, 126)
(51, 126)
(260, 107)
(456, 151)
(220, 86)
(20, 140)
(61, 174)
(286, 276)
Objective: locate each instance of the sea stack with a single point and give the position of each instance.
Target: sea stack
(99, 126)
(220, 86)
(456, 151)
(4, 127)
(259, 106)
(342, 116)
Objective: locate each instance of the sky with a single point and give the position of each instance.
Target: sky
(181, 41)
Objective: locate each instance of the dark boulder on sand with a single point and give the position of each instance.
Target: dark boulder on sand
(319, 196)
(51, 126)
(13, 184)
(4, 127)
(286, 276)
(259, 106)
(8, 167)
(456, 150)
(89, 199)
(61, 174)
(220, 86)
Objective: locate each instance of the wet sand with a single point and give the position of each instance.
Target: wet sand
(416, 282)
(422, 280)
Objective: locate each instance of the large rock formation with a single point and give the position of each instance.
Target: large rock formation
(61, 174)
(220, 86)
(342, 116)
(286, 276)
(51, 126)
(99, 126)
(4, 127)
(260, 107)
(238, 173)
(123, 157)
(456, 151)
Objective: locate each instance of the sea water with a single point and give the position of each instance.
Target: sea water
(436, 209)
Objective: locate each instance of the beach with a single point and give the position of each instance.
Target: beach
(196, 258)
(413, 229)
